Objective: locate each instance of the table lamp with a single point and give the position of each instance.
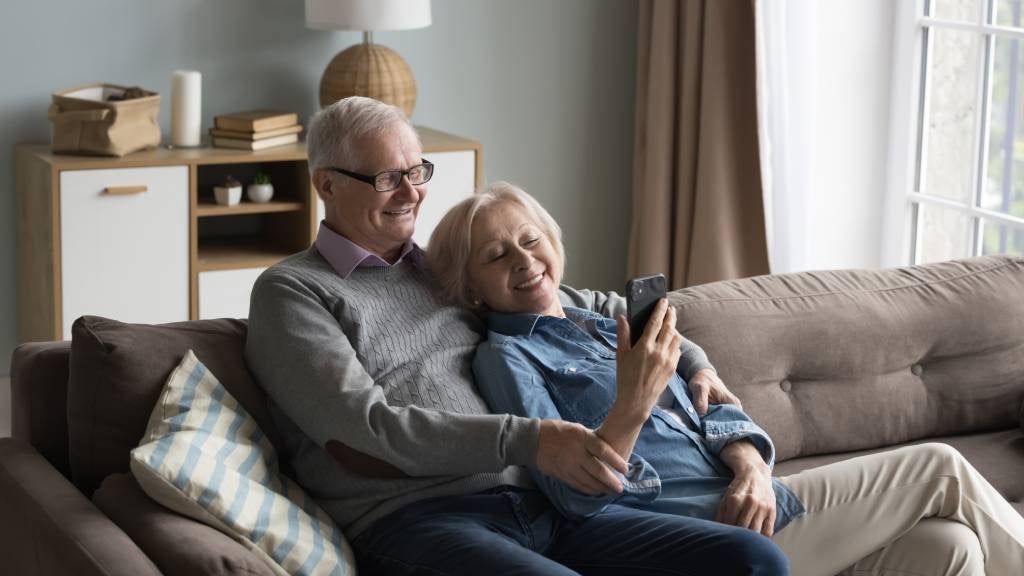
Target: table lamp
(368, 69)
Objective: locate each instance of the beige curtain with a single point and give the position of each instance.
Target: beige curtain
(698, 213)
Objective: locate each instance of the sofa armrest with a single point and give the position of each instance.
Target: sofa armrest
(48, 527)
(39, 399)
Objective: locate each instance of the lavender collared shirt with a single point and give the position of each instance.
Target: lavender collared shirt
(345, 255)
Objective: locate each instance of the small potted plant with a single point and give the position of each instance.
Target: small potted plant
(229, 192)
(261, 190)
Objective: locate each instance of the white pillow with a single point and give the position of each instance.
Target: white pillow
(204, 456)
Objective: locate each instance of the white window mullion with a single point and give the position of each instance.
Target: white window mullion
(906, 135)
(1003, 31)
(982, 135)
(972, 211)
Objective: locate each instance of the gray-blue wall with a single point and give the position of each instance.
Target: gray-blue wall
(546, 86)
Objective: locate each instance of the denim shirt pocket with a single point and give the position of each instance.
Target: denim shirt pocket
(583, 390)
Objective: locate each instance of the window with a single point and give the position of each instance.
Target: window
(963, 170)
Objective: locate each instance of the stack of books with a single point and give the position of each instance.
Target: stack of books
(255, 129)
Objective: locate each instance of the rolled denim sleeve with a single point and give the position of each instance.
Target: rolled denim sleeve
(725, 424)
(511, 384)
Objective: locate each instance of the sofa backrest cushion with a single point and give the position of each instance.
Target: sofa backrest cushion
(859, 359)
(117, 372)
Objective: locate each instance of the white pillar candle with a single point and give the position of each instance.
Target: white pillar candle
(186, 105)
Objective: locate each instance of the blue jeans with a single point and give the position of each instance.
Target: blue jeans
(514, 531)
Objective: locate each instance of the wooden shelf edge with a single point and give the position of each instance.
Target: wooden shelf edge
(265, 261)
(206, 208)
(235, 253)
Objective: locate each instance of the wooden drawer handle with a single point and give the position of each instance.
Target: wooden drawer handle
(125, 189)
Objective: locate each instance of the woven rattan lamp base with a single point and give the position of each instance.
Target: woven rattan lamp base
(369, 70)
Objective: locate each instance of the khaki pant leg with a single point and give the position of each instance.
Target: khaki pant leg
(935, 547)
(859, 506)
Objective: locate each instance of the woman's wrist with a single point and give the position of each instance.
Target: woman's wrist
(742, 457)
(620, 429)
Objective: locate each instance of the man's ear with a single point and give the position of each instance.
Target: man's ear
(324, 185)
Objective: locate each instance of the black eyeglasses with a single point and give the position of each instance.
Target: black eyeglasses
(388, 180)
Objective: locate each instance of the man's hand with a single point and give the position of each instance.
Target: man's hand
(577, 456)
(749, 501)
(706, 387)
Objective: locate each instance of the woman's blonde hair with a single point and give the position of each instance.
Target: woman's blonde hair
(448, 251)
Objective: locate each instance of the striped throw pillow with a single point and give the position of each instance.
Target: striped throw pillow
(204, 456)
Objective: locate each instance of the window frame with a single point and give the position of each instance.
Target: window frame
(909, 106)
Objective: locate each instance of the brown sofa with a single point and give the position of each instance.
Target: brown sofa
(832, 364)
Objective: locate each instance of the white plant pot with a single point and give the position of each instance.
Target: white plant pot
(260, 193)
(227, 195)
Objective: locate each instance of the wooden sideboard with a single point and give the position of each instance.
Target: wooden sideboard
(140, 238)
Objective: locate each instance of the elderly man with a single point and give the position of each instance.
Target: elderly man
(369, 377)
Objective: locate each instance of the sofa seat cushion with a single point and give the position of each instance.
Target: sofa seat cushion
(205, 457)
(179, 546)
(117, 373)
(999, 456)
(848, 360)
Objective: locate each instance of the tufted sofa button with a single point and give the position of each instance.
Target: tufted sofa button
(916, 369)
(786, 385)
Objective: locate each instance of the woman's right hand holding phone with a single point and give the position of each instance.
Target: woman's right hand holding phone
(643, 371)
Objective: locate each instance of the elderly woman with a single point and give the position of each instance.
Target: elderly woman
(916, 510)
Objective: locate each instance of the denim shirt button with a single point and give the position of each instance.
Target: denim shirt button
(786, 385)
(689, 409)
(572, 369)
(916, 369)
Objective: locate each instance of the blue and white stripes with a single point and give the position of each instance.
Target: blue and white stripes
(204, 456)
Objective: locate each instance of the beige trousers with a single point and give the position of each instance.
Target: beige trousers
(916, 511)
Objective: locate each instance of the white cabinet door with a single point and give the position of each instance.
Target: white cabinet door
(124, 255)
(454, 179)
(225, 293)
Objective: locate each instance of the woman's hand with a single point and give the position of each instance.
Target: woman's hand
(749, 501)
(577, 456)
(642, 373)
(706, 387)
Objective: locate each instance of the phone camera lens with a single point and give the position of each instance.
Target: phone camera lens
(637, 291)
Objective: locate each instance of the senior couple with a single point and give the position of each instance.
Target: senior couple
(460, 412)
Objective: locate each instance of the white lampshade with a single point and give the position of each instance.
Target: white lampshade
(367, 15)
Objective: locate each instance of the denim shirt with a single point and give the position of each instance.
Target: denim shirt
(564, 368)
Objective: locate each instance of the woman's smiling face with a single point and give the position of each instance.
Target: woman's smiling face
(513, 266)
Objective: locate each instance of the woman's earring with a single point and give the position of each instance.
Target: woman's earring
(475, 302)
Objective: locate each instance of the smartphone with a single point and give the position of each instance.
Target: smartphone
(642, 295)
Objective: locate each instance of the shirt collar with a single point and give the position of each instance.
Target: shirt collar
(345, 255)
(523, 324)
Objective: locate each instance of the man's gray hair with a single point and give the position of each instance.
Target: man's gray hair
(448, 252)
(334, 130)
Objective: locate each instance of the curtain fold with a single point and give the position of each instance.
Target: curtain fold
(698, 213)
